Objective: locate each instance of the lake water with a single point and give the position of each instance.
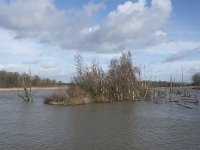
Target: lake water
(112, 126)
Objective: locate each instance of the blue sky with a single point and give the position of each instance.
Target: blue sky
(44, 35)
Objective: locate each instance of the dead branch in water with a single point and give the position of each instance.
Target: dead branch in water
(184, 106)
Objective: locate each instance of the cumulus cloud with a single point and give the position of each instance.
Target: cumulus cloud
(130, 25)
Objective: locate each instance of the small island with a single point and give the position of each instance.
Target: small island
(93, 84)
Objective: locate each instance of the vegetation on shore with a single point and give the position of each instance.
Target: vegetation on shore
(14, 80)
(93, 84)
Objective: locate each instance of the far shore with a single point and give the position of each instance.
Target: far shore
(33, 88)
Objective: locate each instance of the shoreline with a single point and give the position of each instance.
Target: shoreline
(33, 88)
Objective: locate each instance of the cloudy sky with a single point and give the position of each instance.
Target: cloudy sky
(44, 35)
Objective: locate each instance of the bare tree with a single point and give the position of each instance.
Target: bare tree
(26, 84)
(121, 78)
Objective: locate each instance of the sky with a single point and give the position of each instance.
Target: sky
(44, 36)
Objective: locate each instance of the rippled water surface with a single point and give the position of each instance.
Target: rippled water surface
(113, 126)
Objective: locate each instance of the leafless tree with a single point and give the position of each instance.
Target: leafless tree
(122, 78)
(26, 84)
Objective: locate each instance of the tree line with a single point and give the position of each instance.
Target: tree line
(14, 79)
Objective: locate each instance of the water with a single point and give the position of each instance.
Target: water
(113, 126)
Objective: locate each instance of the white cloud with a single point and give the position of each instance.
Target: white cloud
(90, 29)
(131, 25)
(160, 33)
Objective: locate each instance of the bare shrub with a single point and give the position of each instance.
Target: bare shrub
(72, 96)
(57, 97)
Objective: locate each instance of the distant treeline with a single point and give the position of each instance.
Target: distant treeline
(195, 82)
(14, 79)
(164, 83)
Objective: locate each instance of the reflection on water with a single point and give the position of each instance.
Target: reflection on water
(124, 125)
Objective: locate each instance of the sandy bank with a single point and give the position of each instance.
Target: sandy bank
(33, 88)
